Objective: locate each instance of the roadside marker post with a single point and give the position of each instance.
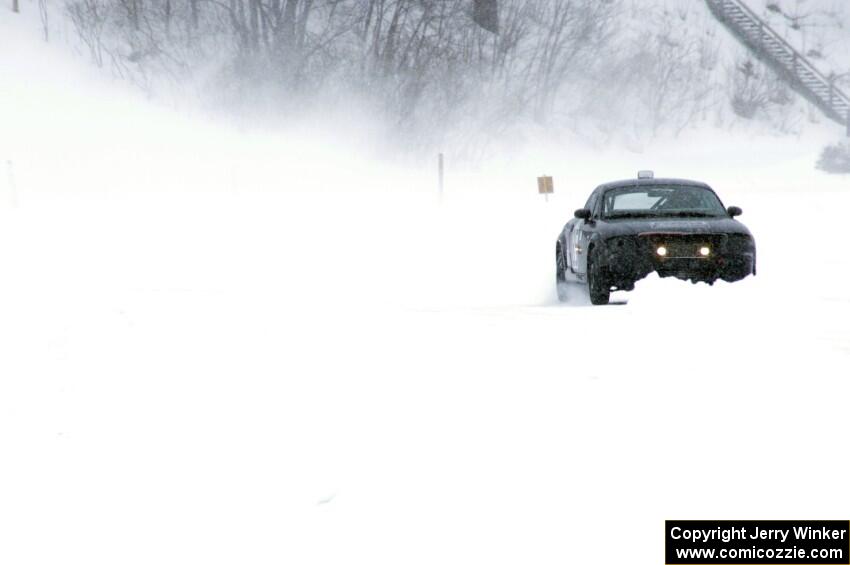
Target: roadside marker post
(13, 190)
(440, 172)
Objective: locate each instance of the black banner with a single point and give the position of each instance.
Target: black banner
(740, 542)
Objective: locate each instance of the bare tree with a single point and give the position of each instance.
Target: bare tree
(42, 11)
(427, 65)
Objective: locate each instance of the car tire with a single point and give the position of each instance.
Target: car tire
(597, 286)
(561, 275)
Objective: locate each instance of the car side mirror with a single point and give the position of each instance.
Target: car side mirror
(734, 211)
(582, 214)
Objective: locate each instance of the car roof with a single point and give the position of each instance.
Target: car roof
(651, 182)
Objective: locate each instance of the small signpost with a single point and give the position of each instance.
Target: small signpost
(440, 172)
(545, 186)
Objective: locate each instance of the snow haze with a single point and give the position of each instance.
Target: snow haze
(224, 344)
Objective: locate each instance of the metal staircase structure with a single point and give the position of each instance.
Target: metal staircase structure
(769, 47)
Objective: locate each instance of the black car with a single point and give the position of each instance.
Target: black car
(631, 228)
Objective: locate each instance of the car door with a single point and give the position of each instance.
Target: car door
(582, 232)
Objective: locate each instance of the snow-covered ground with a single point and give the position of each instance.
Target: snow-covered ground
(225, 347)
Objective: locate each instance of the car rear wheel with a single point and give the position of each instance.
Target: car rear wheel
(560, 274)
(597, 286)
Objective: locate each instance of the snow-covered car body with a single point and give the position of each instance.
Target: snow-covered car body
(630, 228)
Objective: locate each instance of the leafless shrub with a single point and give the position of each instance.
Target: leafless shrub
(750, 90)
(835, 159)
(756, 90)
(89, 18)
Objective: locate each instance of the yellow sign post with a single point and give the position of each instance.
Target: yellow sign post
(545, 186)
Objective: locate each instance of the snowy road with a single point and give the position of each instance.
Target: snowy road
(242, 383)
